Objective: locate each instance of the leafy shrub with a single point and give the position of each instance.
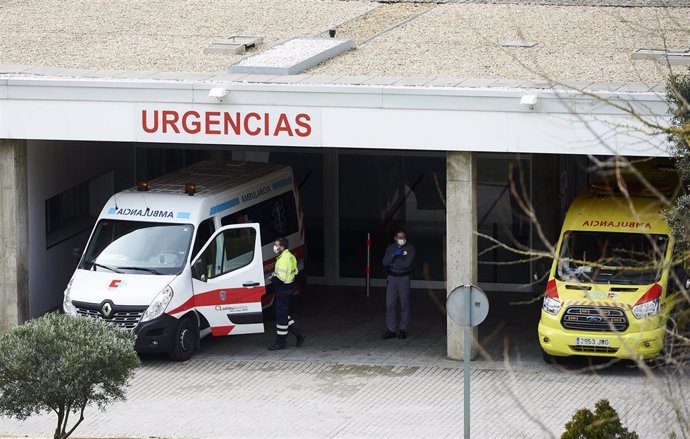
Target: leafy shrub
(62, 364)
(604, 423)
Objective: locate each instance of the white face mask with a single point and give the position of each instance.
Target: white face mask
(401, 242)
(276, 249)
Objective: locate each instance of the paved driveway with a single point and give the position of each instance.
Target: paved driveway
(231, 399)
(346, 382)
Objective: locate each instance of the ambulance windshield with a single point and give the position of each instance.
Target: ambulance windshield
(612, 258)
(138, 247)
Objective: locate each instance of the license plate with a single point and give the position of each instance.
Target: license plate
(583, 341)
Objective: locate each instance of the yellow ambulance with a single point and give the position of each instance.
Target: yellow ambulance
(610, 290)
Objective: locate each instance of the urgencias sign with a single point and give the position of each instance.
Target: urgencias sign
(210, 124)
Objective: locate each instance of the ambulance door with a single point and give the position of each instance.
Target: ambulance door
(228, 280)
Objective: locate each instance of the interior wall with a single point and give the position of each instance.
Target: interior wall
(54, 167)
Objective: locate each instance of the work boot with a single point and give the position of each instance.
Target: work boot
(402, 335)
(276, 347)
(300, 340)
(388, 334)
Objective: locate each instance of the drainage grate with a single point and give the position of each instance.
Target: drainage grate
(292, 57)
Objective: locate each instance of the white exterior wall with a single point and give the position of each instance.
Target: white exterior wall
(54, 167)
(415, 118)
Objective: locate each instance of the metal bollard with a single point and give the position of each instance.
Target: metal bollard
(368, 268)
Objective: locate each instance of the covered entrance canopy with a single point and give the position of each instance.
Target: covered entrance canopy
(366, 147)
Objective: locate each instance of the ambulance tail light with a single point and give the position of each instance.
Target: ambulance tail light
(551, 302)
(648, 305)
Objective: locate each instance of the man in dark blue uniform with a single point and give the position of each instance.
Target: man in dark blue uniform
(398, 259)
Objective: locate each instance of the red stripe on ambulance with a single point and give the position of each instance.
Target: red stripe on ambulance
(222, 330)
(227, 296)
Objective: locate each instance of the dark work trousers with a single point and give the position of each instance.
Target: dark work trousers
(398, 289)
(284, 323)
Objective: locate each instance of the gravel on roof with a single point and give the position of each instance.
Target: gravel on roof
(573, 43)
(155, 34)
(613, 3)
(455, 39)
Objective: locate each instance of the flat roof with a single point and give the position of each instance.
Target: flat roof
(417, 41)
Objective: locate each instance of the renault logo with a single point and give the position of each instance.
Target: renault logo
(106, 310)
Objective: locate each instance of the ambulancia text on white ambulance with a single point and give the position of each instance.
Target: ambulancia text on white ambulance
(188, 254)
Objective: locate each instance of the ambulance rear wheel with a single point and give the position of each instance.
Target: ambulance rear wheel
(186, 335)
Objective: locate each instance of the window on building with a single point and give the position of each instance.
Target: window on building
(75, 210)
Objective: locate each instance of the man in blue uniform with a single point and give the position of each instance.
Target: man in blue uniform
(398, 259)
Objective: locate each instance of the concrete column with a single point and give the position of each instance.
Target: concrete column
(14, 235)
(461, 241)
(331, 215)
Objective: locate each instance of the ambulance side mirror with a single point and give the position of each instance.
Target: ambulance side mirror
(198, 270)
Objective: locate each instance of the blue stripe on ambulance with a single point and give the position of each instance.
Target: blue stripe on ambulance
(235, 201)
(224, 206)
(183, 215)
(281, 183)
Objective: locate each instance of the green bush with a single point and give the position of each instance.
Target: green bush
(62, 364)
(604, 423)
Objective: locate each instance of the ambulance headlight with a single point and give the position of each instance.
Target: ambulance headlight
(67, 304)
(647, 309)
(551, 305)
(158, 305)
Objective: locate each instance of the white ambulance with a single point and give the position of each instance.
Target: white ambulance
(189, 254)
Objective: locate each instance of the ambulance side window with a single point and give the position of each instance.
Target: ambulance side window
(230, 250)
(203, 234)
(276, 216)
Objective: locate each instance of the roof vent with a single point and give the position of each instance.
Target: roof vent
(292, 56)
(519, 43)
(233, 45)
(676, 56)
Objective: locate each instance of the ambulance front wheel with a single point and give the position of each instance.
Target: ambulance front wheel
(186, 335)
